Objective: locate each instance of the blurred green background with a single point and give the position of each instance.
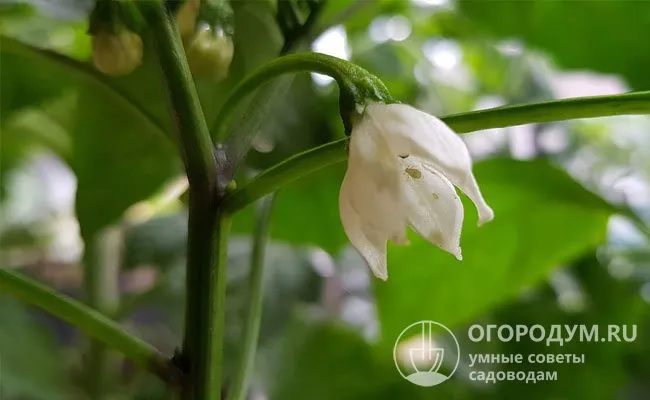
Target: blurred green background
(89, 160)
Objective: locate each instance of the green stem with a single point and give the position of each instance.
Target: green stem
(205, 275)
(356, 84)
(101, 269)
(199, 294)
(90, 322)
(205, 308)
(550, 111)
(196, 147)
(285, 172)
(217, 309)
(254, 311)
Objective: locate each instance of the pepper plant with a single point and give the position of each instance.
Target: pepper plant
(402, 170)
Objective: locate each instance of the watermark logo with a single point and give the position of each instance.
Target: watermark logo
(426, 353)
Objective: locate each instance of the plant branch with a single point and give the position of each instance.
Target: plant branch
(355, 83)
(285, 172)
(101, 269)
(217, 310)
(253, 313)
(205, 308)
(90, 322)
(205, 274)
(196, 147)
(550, 111)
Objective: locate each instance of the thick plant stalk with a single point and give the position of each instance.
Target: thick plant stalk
(201, 353)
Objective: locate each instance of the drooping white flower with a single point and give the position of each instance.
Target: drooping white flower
(402, 168)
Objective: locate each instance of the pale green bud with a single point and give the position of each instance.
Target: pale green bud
(209, 53)
(117, 53)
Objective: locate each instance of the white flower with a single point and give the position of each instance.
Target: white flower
(402, 168)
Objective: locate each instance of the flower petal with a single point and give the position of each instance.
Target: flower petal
(469, 186)
(408, 131)
(367, 240)
(434, 209)
(374, 185)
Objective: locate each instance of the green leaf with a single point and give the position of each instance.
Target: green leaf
(119, 127)
(607, 301)
(257, 36)
(25, 80)
(357, 16)
(122, 151)
(543, 218)
(606, 36)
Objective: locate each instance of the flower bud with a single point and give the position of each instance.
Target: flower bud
(117, 53)
(186, 17)
(209, 53)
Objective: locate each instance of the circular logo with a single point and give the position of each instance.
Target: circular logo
(426, 353)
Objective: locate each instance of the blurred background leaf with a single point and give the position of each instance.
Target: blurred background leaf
(539, 227)
(577, 35)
